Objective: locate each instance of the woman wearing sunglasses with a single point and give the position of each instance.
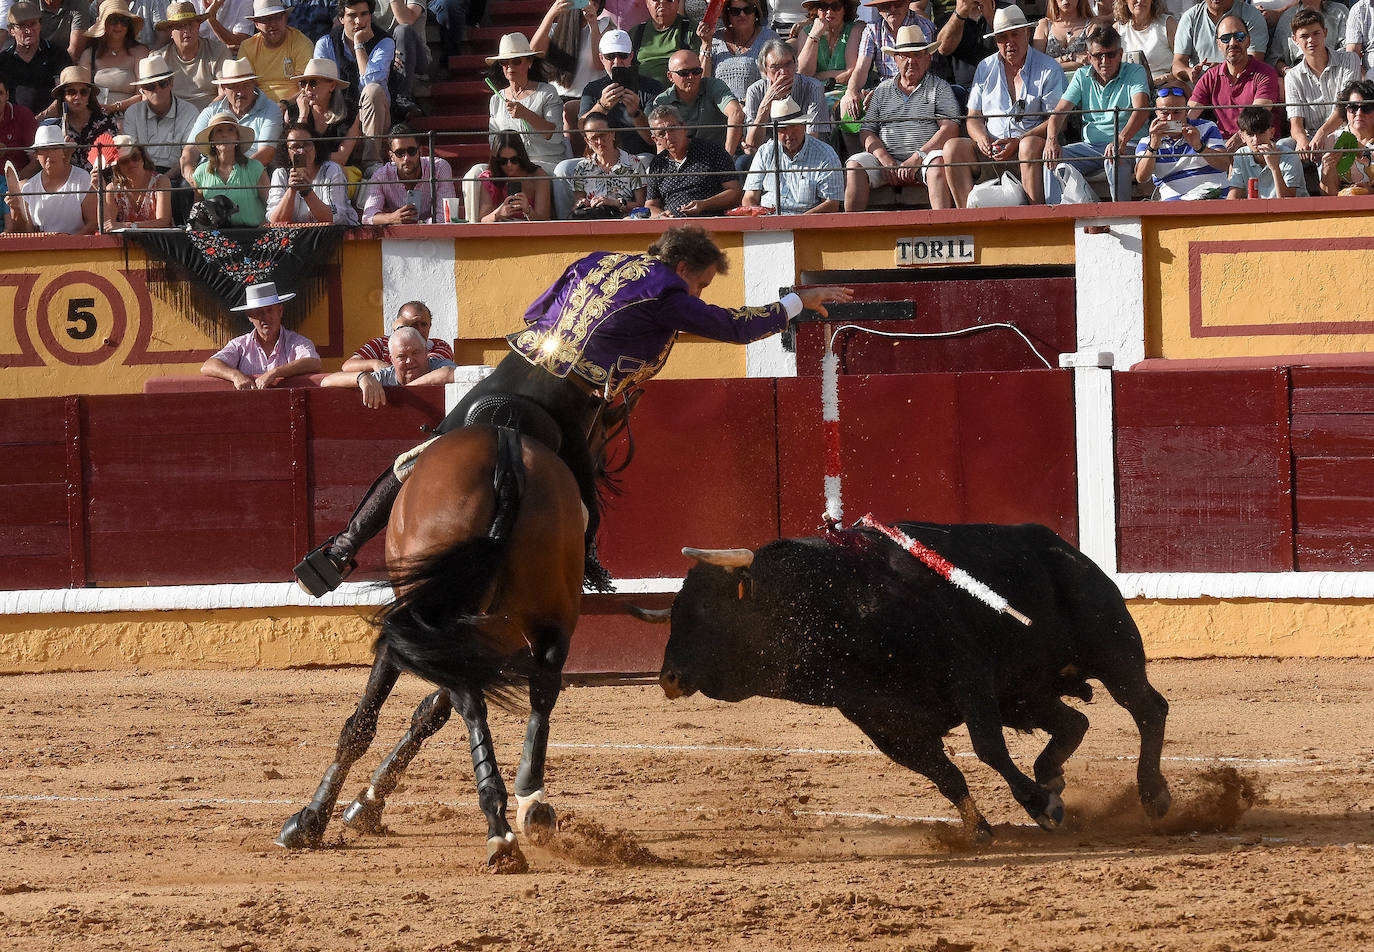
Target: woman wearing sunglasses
(138, 196)
(525, 104)
(1063, 34)
(732, 55)
(77, 103)
(513, 188)
(830, 47)
(114, 54)
(321, 106)
(1345, 168)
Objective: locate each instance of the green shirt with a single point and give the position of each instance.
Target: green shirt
(708, 109)
(655, 47)
(1100, 121)
(241, 188)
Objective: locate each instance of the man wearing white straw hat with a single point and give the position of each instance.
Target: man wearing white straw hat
(267, 354)
(161, 123)
(910, 117)
(1009, 103)
(278, 52)
(193, 57)
(248, 107)
(364, 55)
(59, 198)
(877, 38)
(807, 168)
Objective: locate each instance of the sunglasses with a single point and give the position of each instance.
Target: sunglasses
(617, 56)
(1238, 37)
(160, 84)
(407, 152)
(311, 83)
(1172, 91)
(1357, 106)
(688, 73)
(740, 11)
(1104, 56)
(508, 159)
(77, 90)
(829, 6)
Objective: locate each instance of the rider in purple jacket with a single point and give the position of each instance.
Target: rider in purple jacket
(607, 324)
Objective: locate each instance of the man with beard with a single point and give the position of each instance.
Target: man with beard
(400, 191)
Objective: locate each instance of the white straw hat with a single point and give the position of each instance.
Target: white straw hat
(513, 46)
(261, 295)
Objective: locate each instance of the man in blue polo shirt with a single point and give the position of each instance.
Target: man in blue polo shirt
(1109, 132)
(1186, 158)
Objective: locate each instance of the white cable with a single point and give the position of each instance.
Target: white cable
(963, 330)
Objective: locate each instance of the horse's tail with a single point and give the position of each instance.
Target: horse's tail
(433, 628)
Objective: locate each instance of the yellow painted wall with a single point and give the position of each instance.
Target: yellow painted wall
(1030, 243)
(1252, 277)
(300, 637)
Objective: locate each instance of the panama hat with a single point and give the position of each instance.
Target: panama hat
(51, 137)
(909, 39)
(70, 75)
(1007, 19)
(152, 68)
(786, 112)
(181, 13)
(513, 46)
(261, 295)
(124, 145)
(115, 8)
(262, 9)
(235, 71)
(25, 11)
(321, 68)
(246, 135)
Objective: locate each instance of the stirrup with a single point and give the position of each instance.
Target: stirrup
(318, 573)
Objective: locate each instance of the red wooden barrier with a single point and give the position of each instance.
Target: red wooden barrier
(35, 481)
(1333, 465)
(1203, 477)
(979, 447)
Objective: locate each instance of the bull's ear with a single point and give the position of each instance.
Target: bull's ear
(746, 584)
(725, 558)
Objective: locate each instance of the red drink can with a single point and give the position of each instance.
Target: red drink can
(1252, 188)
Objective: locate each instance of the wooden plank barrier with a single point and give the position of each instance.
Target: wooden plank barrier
(1333, 465)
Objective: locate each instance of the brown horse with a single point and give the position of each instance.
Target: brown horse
(487, 570)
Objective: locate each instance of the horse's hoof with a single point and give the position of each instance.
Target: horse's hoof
(503, 854)
(534, 815)
(1158, 804)
(365, 813)
(301, 831)
(1053, 814)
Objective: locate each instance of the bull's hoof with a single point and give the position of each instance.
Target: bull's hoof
(504, 856)
(1054, 784)
(1158, 804)
(982, 834)
(365, 813)
(1053, 814)
(302, 831)
(534, 816)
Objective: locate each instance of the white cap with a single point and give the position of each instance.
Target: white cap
(616, 41)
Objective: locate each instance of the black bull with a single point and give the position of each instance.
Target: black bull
(861, 626)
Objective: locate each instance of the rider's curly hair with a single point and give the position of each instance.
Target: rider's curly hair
(689, 245)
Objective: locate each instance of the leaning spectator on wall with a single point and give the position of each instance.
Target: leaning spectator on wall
(408, 366)
(267, 354)
(1312, 86)
(1184, 158)
(375, 354)
(59, 198)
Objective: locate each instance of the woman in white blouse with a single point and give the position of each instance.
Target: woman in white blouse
(526, 105)
(1146, 27)
(307, 190)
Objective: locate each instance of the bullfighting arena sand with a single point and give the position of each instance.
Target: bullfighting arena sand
(137, 811)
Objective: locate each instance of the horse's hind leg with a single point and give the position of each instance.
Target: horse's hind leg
(532, 810)
(365, 813)
(306, 828)
(491, 790)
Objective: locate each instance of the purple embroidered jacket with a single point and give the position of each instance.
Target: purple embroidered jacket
(613, 319)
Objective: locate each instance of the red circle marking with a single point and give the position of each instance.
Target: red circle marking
(118, 314)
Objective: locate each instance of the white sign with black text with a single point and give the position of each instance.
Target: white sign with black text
(935, 249)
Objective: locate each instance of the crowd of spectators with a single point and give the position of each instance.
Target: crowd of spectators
(113, 118)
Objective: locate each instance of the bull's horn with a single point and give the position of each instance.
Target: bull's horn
(725, 558)
(654, 616)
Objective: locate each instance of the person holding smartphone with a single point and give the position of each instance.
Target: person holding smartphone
(512, 187)
(409, 189)
(1185, 158)
(623, 96)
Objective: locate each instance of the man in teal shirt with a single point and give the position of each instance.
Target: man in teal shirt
(705, 103)
(1108, 135)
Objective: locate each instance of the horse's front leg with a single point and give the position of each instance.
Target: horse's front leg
(491, 790)
(305, 829)
(533, 814)
(365, 813)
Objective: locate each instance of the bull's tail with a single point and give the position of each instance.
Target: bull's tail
(433, 627)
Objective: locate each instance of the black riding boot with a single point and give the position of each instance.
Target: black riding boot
(323, 569)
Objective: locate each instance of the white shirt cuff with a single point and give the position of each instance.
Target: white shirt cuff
(793, 303)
